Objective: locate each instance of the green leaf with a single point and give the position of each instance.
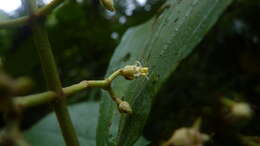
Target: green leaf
(47, 132)
(161, 44)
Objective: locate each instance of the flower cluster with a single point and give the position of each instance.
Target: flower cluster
(131, 72)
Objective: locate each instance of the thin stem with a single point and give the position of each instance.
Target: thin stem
(114, 75)
(25, 19)
(46, 57)
(123, 106)
(48, 8)
(14, 22)
(52, 78)
(48, 96)
(114, 97)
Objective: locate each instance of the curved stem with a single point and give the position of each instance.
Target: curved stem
(114, 97)
(25, 19)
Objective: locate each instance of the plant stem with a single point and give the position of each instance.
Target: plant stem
(54, 84)
(48, 96)
(45, 97)
(52, 78)
(14, 22)
(48, 8)
(114, 97)
(39, 13)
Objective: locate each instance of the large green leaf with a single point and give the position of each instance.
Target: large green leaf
(161, 44)
(47, 132)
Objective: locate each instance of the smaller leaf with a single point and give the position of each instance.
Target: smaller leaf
(47, 131)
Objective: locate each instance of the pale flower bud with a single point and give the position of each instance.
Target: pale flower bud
(108, 4)
(241, 110)
(131, 72)
(187, 137)
(124, 107)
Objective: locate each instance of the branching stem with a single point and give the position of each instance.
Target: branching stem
(129, 72)
(48, 96)
(51, 75)
(25, 19)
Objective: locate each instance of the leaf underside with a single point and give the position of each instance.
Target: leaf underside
(161, 44)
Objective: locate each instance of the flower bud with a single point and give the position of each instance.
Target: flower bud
(108, 4)
(124, 107)
(131, 72)
(187, 137)
(238, 112)
(241, 110)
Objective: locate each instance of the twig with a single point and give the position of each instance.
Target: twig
(129, 72)
(48, 96)
(25, 19)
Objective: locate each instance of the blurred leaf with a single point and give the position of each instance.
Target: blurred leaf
(161, 44)
(70, 12)
(47, 132)
(25, 53)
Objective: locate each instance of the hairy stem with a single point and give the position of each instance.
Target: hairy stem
(52, 78)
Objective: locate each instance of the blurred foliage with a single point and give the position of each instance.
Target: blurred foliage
(226, 64)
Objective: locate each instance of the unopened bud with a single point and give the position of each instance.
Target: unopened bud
(108, 4)
(124, 107)
(241, 110)
(131, 72)
(187, 137)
